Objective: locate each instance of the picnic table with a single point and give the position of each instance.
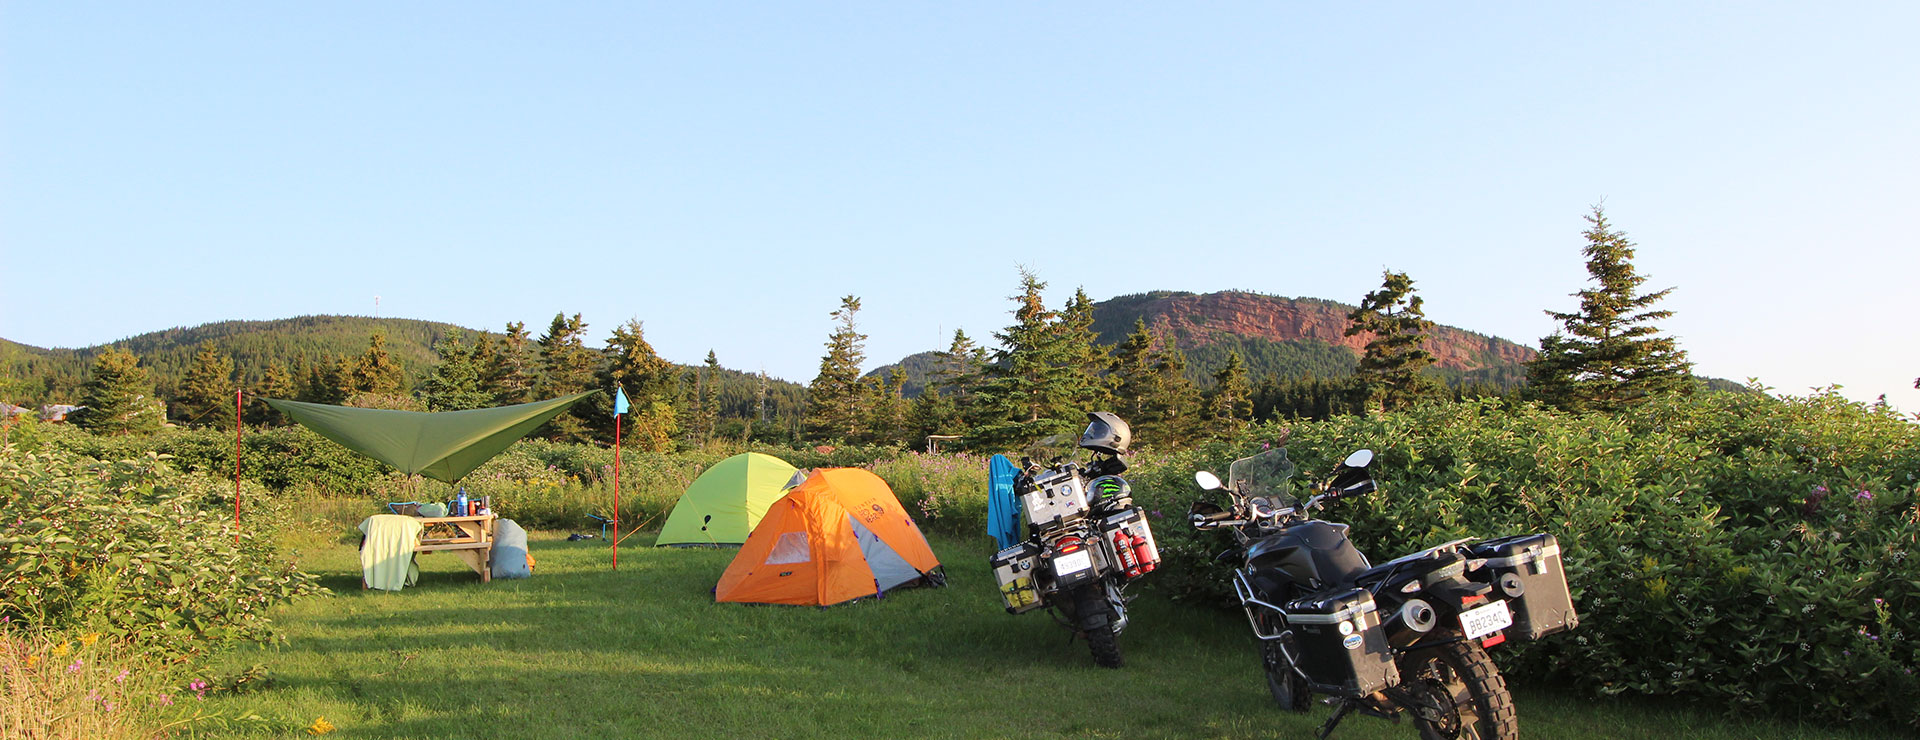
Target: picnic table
(468, 537)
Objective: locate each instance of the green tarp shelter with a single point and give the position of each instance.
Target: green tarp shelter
(725, 503)
(444, 446)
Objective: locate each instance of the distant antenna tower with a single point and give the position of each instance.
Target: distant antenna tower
(376, 307)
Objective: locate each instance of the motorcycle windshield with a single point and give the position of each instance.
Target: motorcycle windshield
(1265, 474)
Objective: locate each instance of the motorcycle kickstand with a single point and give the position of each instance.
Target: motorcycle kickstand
(1339, 713)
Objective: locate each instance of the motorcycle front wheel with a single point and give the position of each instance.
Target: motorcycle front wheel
(1090, 615)
(1289, 690)
(1458, 694)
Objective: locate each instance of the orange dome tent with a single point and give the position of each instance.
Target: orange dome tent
(839, 536)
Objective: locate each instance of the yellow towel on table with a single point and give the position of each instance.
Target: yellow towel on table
(386, 557)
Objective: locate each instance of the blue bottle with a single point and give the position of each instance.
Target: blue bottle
(460, 503)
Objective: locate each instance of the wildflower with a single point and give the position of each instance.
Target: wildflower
(33, 660)
(166, 700)
(107, 705)
(1863, 496)
(199, 689)
(75, 668)
(1877, 601)
(89, 638)
(320, 726)
(122, 678)
(60, 649)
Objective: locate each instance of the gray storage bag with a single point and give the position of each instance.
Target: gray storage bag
(510, 550)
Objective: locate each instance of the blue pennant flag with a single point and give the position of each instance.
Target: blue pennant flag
(619, 400)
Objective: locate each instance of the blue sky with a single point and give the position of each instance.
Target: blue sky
(725, 173)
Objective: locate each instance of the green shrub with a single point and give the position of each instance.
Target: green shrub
(138, 552)
(1703, 557)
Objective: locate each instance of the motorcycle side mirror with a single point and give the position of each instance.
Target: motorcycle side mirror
(1359, 459)
(1208, 481)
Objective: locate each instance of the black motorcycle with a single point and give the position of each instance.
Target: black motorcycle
(1404, 637)
(1086, 541)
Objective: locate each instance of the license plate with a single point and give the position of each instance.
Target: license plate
(1072, 563)
(1486, 620)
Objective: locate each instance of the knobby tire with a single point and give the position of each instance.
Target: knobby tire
(1090, 611)
(1464, 684)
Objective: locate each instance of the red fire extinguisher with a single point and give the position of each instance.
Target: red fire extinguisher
(1123, 547)
(1144, 555)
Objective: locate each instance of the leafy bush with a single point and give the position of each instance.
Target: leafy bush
(1751, 550)
(138, 552)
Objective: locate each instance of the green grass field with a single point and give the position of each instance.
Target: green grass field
(581, 651)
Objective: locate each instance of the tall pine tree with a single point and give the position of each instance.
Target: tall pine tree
(566, 367)
(514, 366)
(275, 382)
(455, 382)
(1610, 356)
(1390, 368)
(651, 384)
(1037, 381)
(206, 393)
(118, 397)
(376, 380)
(836, 399)
(1230, 400)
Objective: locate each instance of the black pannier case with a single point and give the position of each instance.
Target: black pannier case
(1526, 570)
(1342, 648)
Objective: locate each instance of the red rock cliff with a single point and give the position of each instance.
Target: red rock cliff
(1195, 319)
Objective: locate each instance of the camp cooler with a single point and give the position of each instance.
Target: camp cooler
(1526, 570)
(1343, 650)
(1013, 569)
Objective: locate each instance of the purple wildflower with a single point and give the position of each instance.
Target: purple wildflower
(166, 700)
(1863, 496)
(75, 668)
(122, 678)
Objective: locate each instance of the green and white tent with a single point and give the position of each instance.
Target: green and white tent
(725, 503)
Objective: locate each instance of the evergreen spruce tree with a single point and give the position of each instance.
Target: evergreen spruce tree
(375, 373)
(206, 393)
(886, 422)
(1230, 400)
(1029, 391)
(651, 384)
(1172, 408)
(1390, 369)
(326, 382)
(275, 382)
(1088, 359)
(455, 382)
(836, 399)
(1610, 356)
(1133, 373)
(567, 367)
(514, 367)
(955, 379)
(118, 397)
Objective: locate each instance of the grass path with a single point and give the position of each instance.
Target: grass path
(580, 651)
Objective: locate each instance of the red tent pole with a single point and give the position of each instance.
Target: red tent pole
(237, 394)
(616, 491)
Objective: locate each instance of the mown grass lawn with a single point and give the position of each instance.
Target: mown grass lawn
(581, 651)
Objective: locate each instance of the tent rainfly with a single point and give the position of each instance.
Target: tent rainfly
(725, 503)
(839, 536)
